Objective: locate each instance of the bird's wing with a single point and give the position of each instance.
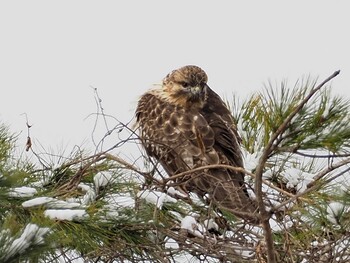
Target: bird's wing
(220, 119)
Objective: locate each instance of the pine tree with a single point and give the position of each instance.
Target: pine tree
(101, 208)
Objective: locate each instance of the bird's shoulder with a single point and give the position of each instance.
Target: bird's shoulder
(151, 104)
(219, 117)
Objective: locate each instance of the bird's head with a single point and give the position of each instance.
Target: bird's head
(187, 86)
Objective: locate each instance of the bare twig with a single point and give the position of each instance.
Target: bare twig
(313, 185)
(29, 140)
(326, 156)
(229, 167)
(325, 171)
(224, 250)
(100, 111)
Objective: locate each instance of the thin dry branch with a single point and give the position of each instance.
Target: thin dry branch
(327, 170)
(221, 249)
(133, 168)
(233, 168)
(122, 162)
(318, 156)
(314, 185)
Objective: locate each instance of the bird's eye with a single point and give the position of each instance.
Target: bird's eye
(185, 84)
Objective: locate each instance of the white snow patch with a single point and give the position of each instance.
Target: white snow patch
(38, 184)
(110, 214)
(102, 179)
(88, 198)
(49, 202)
(32, 235)
(297, 179)
(190, 224)
(23, 191)
(66, 214)
(251, 161)
(334, 212)
(280, 226)
(90, 195)
(211, 224)
(196, 199)
(245, 253)
(85, 187)
(115, 203)
(156, 197)
(171, 243)
(172, 191)
(177, 215)
(120, 200)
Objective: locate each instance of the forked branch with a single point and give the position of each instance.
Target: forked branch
(273, 142)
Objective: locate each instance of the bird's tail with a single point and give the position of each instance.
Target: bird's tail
(226, 193)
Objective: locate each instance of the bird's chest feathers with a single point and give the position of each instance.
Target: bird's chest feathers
(188, 127)
(167, 126)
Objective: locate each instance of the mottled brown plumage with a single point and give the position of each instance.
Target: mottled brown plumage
(184, 125)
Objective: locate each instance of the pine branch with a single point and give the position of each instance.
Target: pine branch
(271, 145)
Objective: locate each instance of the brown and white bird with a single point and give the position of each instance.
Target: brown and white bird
(184, 125)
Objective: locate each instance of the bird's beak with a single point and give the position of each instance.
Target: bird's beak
(196, 89)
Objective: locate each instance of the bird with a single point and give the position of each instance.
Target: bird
(185, 125)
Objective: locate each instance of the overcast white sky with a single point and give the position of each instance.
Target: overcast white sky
(52, 52)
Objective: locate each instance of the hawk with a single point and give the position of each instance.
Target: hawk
(184, 124)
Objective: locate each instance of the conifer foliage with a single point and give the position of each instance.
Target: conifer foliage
(103, 207)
